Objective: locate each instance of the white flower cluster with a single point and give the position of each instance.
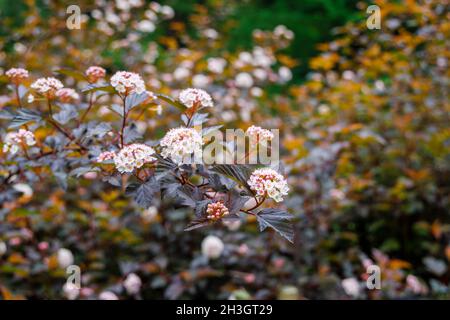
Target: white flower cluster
(216, 210)
(65, 258)
(268, 182)
(216, 65)
(127, 82)
(258, 134)
(67, 95)
(179, 143)
(282, 32)
(95, 73)
(13, 140)
(16, 75)
(133, 157)
(106, 156)
(195, 97)
(212, 247)
(132, 284)
(47, 86)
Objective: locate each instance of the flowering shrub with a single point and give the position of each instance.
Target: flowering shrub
(364, 142)
(224, 189)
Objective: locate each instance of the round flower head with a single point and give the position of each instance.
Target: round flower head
(17, 75)
(180, 143)
(106, 156)
(195, 97)
(127, 82)
(67, 95)
(132, 284)
(95, 73)
(14, 140)
(216, 210)
(212, 247)
(268, 182)
(133, 157)
(258, 134)
(47, 86)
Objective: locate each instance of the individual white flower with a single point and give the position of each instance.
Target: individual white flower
(95, 73)
(413, 283)
(216, 65)
(146, 26)
(244, 80)
(195, 97)
(282, 31)
(212, 247)
(268, 182)
(167, 12)
(181, 73)
(211, 33)
(260, 74)
(17, 75)
(3, 248)
(108, 295)
(106, 156)
(65, 258)
(256, 92)
(216, 210)
(71, 291)
(127, 82)
(200, 80)
(23, 188)
(285, 74)
(232, 225)
(30, 98)
(180, 143)
(47, 86)
(150, 214)
(132, 284)
(133, 157)
(14, 140)
(351, 287)
(258, 134)
(67, 95)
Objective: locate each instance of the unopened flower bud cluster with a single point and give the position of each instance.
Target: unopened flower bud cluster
(216, 210)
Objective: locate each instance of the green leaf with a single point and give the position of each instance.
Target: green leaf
(278, 220)
(94, 87)
(77, 75)
(173, 102)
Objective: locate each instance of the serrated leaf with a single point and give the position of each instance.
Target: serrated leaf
(135, 99)
(238, 173)
(208, 130)
(82, 170)
(278, 220)
(72, 73)
(24, 116)
(67, 113)
(173, 102)
(197, 223)
(131, 134)
(94, 87)
(143, 194)
(99, 130)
